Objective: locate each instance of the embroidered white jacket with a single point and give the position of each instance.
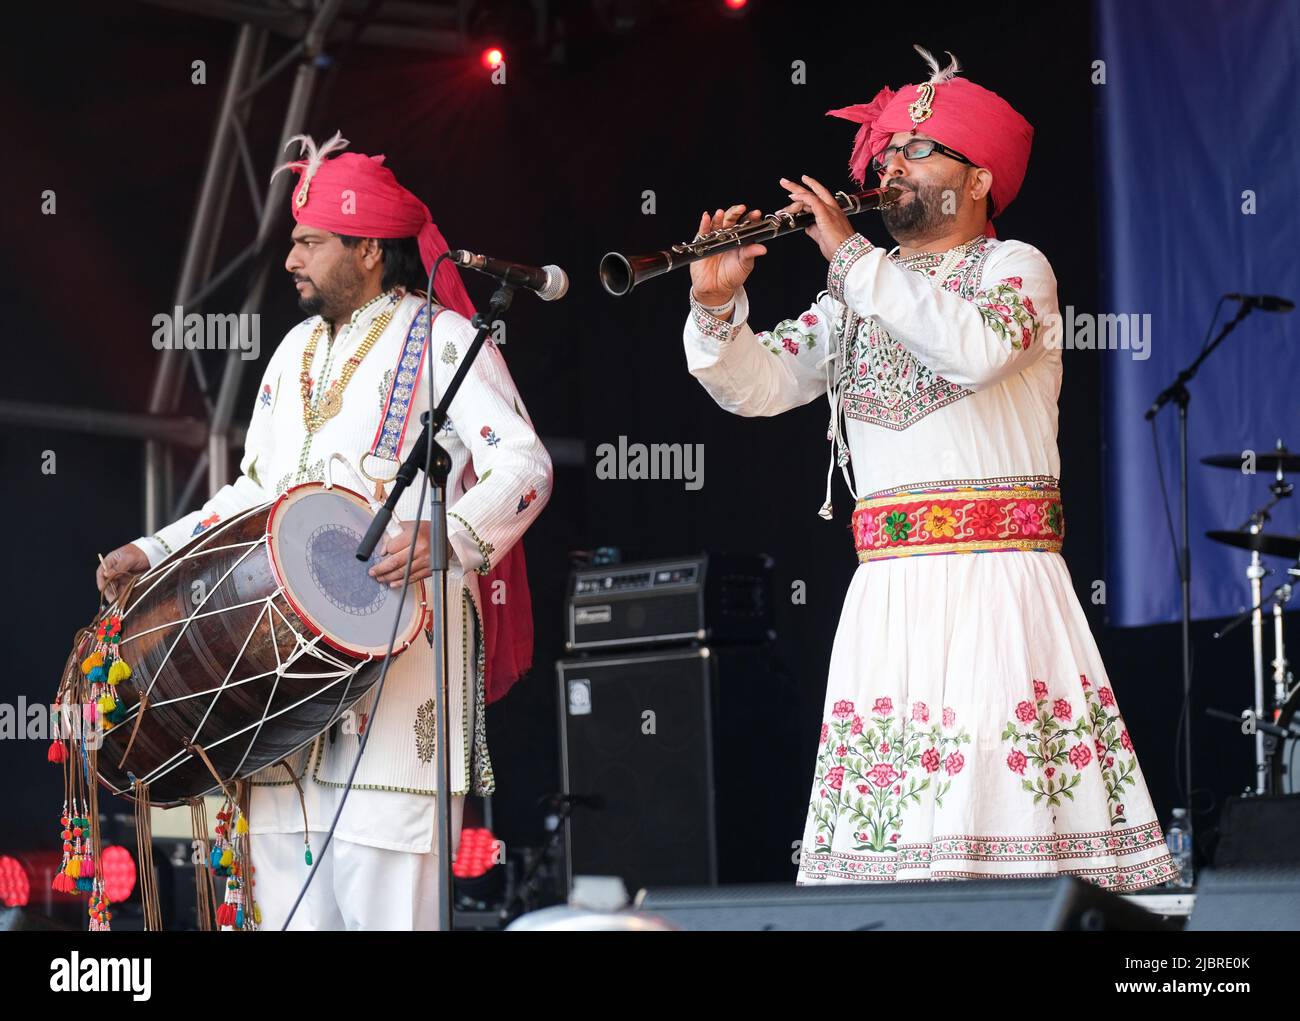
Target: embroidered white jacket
(935, 371)
(500, 480)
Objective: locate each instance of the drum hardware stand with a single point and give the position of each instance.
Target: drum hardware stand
(436, 464)
(1177, 391)
(1256, 571)
(1271, 731)
(1278, 735)
(529, 894)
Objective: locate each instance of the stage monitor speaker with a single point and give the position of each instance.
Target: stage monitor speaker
(685, 765)
(1260, 899)
(1257, 831)
(1050, 904)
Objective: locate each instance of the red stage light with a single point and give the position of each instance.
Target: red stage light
(493, 58)
(476, 854)
(15, 884)
(118, 869)
(735, 5)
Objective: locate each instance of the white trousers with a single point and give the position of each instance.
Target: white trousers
(356, 887)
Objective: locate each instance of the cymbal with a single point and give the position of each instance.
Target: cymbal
(1265, 460)
(1270, 545)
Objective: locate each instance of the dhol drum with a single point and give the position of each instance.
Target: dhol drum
(249, 642)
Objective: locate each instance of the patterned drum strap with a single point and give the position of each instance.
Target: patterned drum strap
(380, 463)
(963, 519)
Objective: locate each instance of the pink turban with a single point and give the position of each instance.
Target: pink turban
(358, 196)
(375, 206)
(979, 124)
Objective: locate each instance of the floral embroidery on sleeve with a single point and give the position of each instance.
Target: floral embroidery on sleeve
(206, 523)
(1009, 313)
(710, 325)
(489, 434)
(855, 246)
(791, 335)
(525, 500)
(265, 399)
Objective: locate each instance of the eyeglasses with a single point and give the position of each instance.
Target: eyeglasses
(915, 149)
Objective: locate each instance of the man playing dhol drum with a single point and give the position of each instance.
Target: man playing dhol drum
(342, 382)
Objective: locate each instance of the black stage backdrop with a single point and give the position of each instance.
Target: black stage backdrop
(699, 109)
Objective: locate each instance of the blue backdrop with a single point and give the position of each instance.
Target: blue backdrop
(1198, 117)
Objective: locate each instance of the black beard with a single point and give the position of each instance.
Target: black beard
(921, 218)
(332, 302)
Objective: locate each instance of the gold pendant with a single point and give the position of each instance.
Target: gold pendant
(331, 404)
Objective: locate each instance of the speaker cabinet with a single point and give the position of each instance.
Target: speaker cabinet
(686, 765)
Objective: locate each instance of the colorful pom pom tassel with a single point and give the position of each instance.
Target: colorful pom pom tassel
(118, 672)
(92, 661)
(58, 751)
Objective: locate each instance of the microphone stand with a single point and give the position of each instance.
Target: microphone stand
(428, 455)
(1177, 391)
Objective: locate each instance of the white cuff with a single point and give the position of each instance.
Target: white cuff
(153, 548)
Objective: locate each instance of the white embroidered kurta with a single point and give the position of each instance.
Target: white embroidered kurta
(969, 727)
(500, 480)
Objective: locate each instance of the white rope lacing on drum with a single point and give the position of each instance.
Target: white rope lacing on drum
(191, 617)
(185, 755)
(185, 624)
(343, 669)
(175, 563)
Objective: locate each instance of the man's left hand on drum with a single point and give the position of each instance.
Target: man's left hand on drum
(123, 561)
(396, 549)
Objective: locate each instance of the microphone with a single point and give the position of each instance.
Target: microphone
(549, 282)
(1263, 302)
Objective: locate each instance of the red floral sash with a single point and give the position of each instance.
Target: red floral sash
(968, 518)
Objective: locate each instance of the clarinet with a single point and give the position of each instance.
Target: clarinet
(620, 273)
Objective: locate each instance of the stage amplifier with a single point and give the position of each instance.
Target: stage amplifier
(705, 598)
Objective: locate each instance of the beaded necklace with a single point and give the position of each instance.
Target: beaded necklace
(322, 404)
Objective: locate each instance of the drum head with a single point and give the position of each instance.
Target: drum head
(312, 535)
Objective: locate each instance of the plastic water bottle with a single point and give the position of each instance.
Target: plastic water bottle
(1178, 834)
